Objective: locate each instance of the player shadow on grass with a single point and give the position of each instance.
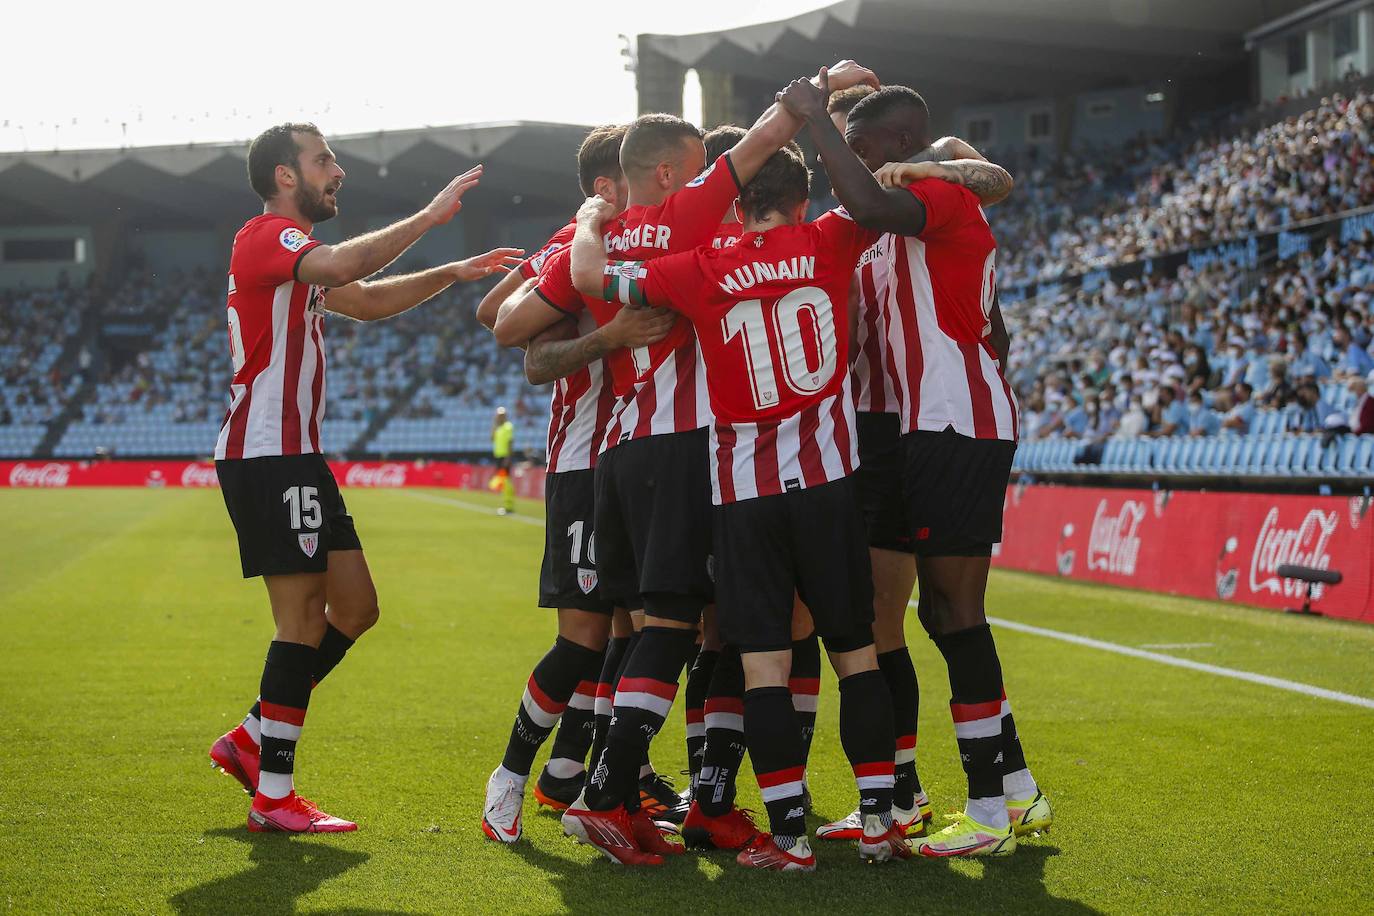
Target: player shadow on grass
(1013, 884)
(285, 868)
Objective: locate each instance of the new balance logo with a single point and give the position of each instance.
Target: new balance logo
(796, 812)
(999, 757)
(868, 801)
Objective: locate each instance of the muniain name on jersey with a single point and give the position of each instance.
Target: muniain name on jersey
(741, 278)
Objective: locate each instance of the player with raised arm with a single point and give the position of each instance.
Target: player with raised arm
(564, 685)
(293, 528)
(775, 347)
(959, 421)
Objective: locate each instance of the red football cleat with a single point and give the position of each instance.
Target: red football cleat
(609, 831)
(649, 836)
(880, 844)
(235, 754)
(733, 830)
(293, 814)
(763, 853)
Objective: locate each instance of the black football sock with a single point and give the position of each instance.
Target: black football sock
(694, 699)
(866, 734)
(775, 748)
(333, 647)
(1017, 781)
(725, 742)
(617, 653)
(900, 675)
(805, 684)
(285, 692)
(568, 756)
(642, 700)
(547, 692)
(976, 704)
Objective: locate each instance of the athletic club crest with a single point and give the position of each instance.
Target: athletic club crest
(1359, 508)
(309, 542)
(586, 580)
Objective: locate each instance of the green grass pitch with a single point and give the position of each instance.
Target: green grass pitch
(130, 643)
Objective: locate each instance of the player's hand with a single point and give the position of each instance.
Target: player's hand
(449, 201)
(806, 99)
(595, 210)
(638, 327)
(496, 261)
(847, 74)
(901, 174)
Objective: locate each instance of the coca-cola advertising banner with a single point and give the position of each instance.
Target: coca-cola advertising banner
(1222, 546)
(529, 482)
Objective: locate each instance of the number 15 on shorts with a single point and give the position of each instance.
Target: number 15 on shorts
(305, 506)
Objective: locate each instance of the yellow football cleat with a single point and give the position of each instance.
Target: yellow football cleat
(1030, 815)
(966, 837)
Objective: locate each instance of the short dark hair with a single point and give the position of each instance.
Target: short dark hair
(599, 156)
(271, 148)
(845, 100)
(720, 140)
(890, 100)
(784, 181)
(652, 138)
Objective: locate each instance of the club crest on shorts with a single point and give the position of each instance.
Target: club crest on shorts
(586, 580)
(309, 542)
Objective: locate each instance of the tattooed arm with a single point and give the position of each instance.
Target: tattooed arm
(558, 352)
(945, 149)
(990, 182)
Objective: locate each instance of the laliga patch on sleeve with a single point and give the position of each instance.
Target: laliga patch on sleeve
(701, 179)
(293, 240)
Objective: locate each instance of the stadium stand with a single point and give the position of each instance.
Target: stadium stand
(1257, 370)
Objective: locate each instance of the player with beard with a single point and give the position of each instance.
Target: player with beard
(293, 528)
(947, 347)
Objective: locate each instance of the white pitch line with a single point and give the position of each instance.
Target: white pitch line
(1176, 645)
(1276, 682)
(471, 507)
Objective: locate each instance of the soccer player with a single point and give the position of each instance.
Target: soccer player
(782, 451)
(575, 675)
(959, 422)
(653, 522)
(293, 528)
(879, 484)
(502, 447)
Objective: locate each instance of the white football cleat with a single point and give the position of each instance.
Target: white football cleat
(501, 811)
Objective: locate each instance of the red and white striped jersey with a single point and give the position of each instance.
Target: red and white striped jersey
(276, 341)
(582, 402)
(661, 388)
(871, 375)
(775, 345)
(941, 285)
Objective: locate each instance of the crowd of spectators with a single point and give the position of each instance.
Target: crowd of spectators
(35, 328)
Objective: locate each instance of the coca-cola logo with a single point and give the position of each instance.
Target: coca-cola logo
(1113, 544)
(382, 475)
(1304, 545)
(199, 475)
(52, 474)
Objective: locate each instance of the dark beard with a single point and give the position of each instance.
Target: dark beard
(313, 206)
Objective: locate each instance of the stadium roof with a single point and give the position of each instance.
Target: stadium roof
(986, 50)
(389, 172)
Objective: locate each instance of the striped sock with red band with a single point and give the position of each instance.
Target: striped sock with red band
(900, 675)
(547, 692)
(617, 653)
(977, 705)
(774, 737)
(866, 735)
(568, 756)
(805, 685)
(723, 754)
(694, 702)
(333, 647)
(285, 692)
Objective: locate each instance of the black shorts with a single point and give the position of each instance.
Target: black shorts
(809, 541)
(879, 481)
(288, 513)
(955, 488)
(568, 576)
(653, 524)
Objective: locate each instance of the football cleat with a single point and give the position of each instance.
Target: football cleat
(558, 793)
(913, 820)
(881, 844)
(235, 753)
(609, 831)
(734, 829)
(966, 837)
(763, 853)
(501, 810)
(649, 835)
(293, 814)
(1030, 815)
(850, 827)
(659, 797)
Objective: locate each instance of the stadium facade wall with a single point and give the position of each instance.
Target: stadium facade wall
(1218, 546)
(1247, 253)
(40, 274)
(529, 481)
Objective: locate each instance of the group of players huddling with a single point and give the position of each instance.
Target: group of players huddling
(738, 472)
